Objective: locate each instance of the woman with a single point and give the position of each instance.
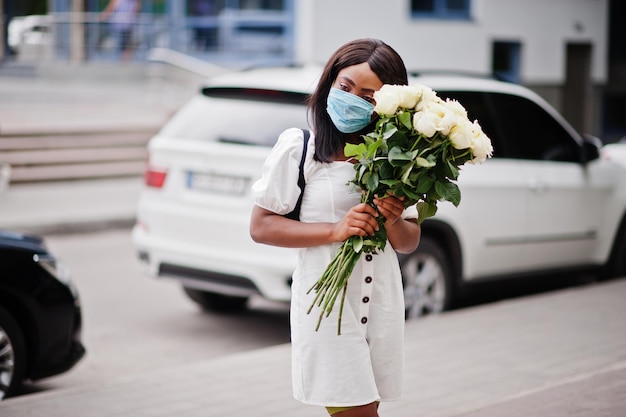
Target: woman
(122, 16)
(351, 373)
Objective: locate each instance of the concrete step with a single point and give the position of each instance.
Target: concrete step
(74, 140)
(64, 172)
(37, 158)
(70, 156)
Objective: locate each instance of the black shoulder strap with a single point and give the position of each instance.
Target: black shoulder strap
(295, 214)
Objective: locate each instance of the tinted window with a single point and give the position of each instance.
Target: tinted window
(242, 116)
(256, 94)
(530, 132)
(477, 108)
(518, 128)
(441, 9)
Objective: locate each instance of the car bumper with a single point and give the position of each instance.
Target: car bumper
(265, 271)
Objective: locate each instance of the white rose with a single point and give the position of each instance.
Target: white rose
(462, 135)
(447, 117)
(409, 96)
(425, 123)
(434, 115)
(457, 108)
(481, 145)
(427, 95)
(387, 99)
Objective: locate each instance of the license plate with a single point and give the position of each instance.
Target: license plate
(217, 183)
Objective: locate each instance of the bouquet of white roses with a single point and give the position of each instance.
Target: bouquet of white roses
(415, 151)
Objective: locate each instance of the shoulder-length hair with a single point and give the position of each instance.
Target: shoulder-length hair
(384, 61)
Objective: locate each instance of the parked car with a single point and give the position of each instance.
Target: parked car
(32, 31)
(40, 313)
(550, 199)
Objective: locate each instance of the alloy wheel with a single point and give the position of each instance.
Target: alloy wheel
(7, 363)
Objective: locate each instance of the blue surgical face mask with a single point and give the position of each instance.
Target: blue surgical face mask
(348, 112)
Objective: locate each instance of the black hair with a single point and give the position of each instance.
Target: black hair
(384, 61)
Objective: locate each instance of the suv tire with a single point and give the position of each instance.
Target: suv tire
(428, 280)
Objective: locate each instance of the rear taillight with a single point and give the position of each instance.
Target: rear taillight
(154, 177)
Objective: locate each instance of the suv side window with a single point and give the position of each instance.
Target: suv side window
(531, 132)
(478, 108)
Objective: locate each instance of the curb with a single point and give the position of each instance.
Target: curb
(75, 228)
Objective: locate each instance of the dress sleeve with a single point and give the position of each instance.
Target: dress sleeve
(277, 190)
(410, 212)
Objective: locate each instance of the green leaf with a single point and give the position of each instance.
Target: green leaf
(389, 130)
(362, 171)
(453, 172)
(355, 150)
(373, 148)
(386, 170)
(366, 175)
(406, 171)
(424, 185)
(448, 191)
(372, 182)
(357, 243)
(389, 183)
(400, 139)
(410, 192)
(425, 210)
(423, 162)
(396, 153)
(405, 119)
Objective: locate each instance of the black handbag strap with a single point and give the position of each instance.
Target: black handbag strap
(295, 214)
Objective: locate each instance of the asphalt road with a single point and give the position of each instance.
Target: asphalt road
(134, 323)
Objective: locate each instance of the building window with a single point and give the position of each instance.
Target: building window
(614, 117)
(505, 61)
(441, 9)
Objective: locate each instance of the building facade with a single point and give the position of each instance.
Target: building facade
(557, 47)
(563, 49)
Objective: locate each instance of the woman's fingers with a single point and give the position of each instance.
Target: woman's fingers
(390, 207)
(360, 220)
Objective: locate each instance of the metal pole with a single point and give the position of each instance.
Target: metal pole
(77, 33)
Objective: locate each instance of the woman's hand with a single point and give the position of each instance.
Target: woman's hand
(390, 207)
(360, 220)
(403, 234)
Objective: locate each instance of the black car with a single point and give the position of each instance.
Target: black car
(40, 313)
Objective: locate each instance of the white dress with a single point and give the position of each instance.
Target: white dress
(365, 363)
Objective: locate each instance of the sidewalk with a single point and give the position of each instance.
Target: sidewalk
(70, 206)
(561, 354)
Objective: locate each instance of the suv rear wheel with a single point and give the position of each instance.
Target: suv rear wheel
(428, 280)
(216, 302)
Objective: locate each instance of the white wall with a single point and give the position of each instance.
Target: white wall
(544, 27)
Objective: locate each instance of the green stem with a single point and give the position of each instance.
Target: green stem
(333, 281)
(343, 298)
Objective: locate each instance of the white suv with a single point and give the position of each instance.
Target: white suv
(549, 199)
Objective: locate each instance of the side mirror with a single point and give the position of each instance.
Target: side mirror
(591, 148)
